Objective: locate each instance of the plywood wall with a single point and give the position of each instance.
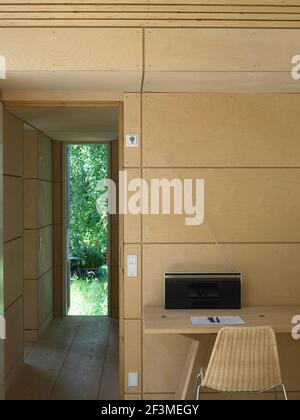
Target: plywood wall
(245, 147)
(13, 241)
(38, 234)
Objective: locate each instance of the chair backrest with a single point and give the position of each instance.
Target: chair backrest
(244, 360)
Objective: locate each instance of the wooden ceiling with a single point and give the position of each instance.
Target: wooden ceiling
(151, 13)
(72, 124)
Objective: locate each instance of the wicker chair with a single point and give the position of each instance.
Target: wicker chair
(243, 360)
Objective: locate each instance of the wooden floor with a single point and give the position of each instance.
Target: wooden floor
(76, 359)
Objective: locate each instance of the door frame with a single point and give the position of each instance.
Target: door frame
(119, 104)
(66, 213)
(2, 362)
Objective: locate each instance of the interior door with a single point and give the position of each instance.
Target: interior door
(2, 320)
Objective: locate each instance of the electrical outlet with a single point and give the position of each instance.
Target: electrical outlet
(132, 262)
(132, 140)
(133, 379)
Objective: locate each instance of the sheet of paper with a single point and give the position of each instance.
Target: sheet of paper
(224, 320)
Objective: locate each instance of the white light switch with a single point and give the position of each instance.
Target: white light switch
(2, 328)
(133, 379)
(132, 140)
(132, 266)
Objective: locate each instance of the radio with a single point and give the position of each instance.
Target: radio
(203, 290)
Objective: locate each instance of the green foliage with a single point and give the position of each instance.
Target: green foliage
(89, 256)
(88, 165)
(89, 297)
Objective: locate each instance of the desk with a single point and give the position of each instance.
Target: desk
(157, 320)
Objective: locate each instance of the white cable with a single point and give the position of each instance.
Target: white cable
(213, 237)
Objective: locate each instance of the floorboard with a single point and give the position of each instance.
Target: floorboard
(109, 389)
(74, 360)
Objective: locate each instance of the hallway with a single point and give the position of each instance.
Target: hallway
(76, 359)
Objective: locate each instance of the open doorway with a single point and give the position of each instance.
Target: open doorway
(36, 138)
(87, 230)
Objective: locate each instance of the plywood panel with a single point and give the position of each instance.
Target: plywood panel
(30, 203)
(45, 253)
(44, 158)
(132, 285)
(13, 271)
(241, 205)
(30, 154)
(132, 125)
(12, 145)
(30, 254)
(132, 353)
(289, 353)
(44, 203)
(133, 397)
(159, 397)
(14, 340)
(70, 49)
(45, 297)
(38, 258)
(132, 223)
(13, 207)
(163, 362)
(221, 49)
(31, 306)
(270, 270)
(218, 82)
(57, 161)
(213, 130)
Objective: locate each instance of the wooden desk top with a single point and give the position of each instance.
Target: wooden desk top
(157, 320)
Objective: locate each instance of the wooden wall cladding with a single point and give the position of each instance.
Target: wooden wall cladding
(45, 158)
(45, 250)
(13, 207)
(70, 49)
(14, 340)
(159, 397)
(132, 223)
(133, 285)
(132, 353)
(132, 125)
(13, 145)
(240, 205)
(271, 271)
(163, 362)
(13, 271)
(236, 49)
(219, 59)
(153, 13)
(289, 352)
(218, 82)
(45, 297)
(220, 130)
